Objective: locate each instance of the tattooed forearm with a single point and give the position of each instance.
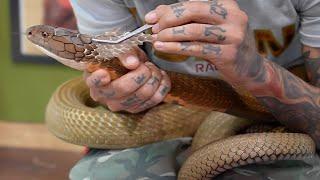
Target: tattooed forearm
(299, 106)
(212, 31)
(178, 9)
(209, 49)
(217, 8)
(140, 79)
(313, 69)
(178, 30)
(292, 101)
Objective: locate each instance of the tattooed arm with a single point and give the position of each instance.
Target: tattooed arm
(217, 31)
(292, 101)
(312, 62)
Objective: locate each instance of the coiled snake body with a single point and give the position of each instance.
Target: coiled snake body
(73, 117)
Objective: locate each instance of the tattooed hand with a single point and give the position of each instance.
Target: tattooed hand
(142, 88)
(215, 31)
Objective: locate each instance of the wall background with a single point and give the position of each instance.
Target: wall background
(25, 88)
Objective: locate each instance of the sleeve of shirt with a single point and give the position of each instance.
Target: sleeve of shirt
(97, 17)
(309, 13)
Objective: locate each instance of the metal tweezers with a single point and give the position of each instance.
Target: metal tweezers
(124, 36)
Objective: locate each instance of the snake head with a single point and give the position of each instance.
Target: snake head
(51, 38)
(40, 34)
(65, 45)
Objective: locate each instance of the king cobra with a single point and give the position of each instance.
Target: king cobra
(72, 116)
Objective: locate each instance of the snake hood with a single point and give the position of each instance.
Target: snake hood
(76, 50)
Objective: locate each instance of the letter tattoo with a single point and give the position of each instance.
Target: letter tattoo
(140, 79)
(178, 31)
(209, 48)
(178, 9)
(209, 30)
(216, 8)
(185, 46)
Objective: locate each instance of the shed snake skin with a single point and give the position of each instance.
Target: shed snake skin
(72, 116)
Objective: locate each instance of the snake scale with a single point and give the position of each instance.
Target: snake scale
(72, 116)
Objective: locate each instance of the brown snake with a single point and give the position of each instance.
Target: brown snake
(72, 116)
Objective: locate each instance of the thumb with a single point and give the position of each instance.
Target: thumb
(130, 60)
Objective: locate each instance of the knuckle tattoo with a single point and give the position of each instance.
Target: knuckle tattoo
(217, 8)
(107, 94)
(139, 79)
(211, 49)
(131, 101)
(165, 89)
(215, 31)
(147, 104)
(178, 30)
(178, 9)
(185, 46)
(154, 80)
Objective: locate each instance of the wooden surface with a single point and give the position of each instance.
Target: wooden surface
(29, 151)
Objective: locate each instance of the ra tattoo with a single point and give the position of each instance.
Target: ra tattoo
(216, 8)
(211, 30)
(178, 9)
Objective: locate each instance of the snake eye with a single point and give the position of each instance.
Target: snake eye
(44, 34)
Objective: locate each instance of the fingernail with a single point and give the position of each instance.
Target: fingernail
(163, 72)
(131, 60)
(151, 17)
(156, 28)
(158, 45)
